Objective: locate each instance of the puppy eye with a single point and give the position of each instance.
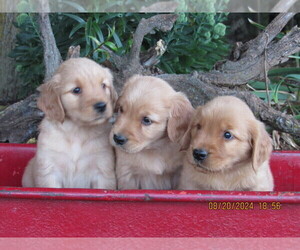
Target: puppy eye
(198, 126)
(228, 135)
(146, 121)
(103, 85)
(77, 90)
(121, 109)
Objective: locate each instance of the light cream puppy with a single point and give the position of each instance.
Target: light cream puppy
(73, 149)
(152, 117)
(227, 149)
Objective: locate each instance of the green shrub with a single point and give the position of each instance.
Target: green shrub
(28, 54)
(196, 41)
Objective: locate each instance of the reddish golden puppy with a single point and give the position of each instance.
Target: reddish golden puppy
(152, 117)
(227, 149)
(73, 149)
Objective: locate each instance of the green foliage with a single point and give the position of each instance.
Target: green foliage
(28, 51)
(196, 42)
(284, 89)
(28, 54)
(92, 31)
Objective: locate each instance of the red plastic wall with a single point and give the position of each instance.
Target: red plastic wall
(31, 212)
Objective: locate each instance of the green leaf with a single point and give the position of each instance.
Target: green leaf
(116, 38)
(96, 41)
(275, 94)
(296, 57)
(258, 85)
(111, 45)
(294, 76)
(76, 28)
(256, 24)
(98, 31)
(76, 18)
(283, 71)
(88, 28)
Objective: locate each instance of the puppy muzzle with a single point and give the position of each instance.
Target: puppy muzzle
(120, 139)
(100, 107)
(200, 154)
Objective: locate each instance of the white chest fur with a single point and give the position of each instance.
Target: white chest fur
(74, 155)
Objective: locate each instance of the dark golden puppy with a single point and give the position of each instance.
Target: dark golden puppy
(73, 149)
(152, 118)
(227, 149)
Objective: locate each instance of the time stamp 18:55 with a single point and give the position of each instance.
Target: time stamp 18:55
(241, 205)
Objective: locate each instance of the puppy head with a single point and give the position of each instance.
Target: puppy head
(80, 90)
(223, 134)
(149, 110)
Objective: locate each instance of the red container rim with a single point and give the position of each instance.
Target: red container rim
(148, 195)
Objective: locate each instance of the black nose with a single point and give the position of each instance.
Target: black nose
(200, 154)
(120, 139)
(100, 107)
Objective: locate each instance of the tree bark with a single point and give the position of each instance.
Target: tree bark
(52, 57)
(283, 6)
(9, 80)
(19, 122)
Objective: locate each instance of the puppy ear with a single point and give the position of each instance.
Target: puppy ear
(261, 144)
(113, 95)
(186, 140)
(113, 92)
(49, 100)
(117, 105)
(181, 113)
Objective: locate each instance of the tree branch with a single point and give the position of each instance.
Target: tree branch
(52, 57)
(162, 22)
(19, 122)
(114, 58)
(283, 6)
(250, 65)
(256, 46)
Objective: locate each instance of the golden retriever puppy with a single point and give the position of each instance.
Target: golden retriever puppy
(73, 149)
(152, 117)
(227, 149)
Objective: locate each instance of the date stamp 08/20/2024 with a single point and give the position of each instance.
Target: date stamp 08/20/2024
(239, 205)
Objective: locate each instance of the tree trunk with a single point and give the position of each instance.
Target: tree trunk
(52, 57)
(8, 76)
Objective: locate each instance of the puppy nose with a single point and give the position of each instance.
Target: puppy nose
(100, 107)
(120, 139)
(200, 154)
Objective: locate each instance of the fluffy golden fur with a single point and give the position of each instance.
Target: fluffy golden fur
(152, 117)
(73, 149)
(227, 148)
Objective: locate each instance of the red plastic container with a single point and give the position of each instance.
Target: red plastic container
(40, 212)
